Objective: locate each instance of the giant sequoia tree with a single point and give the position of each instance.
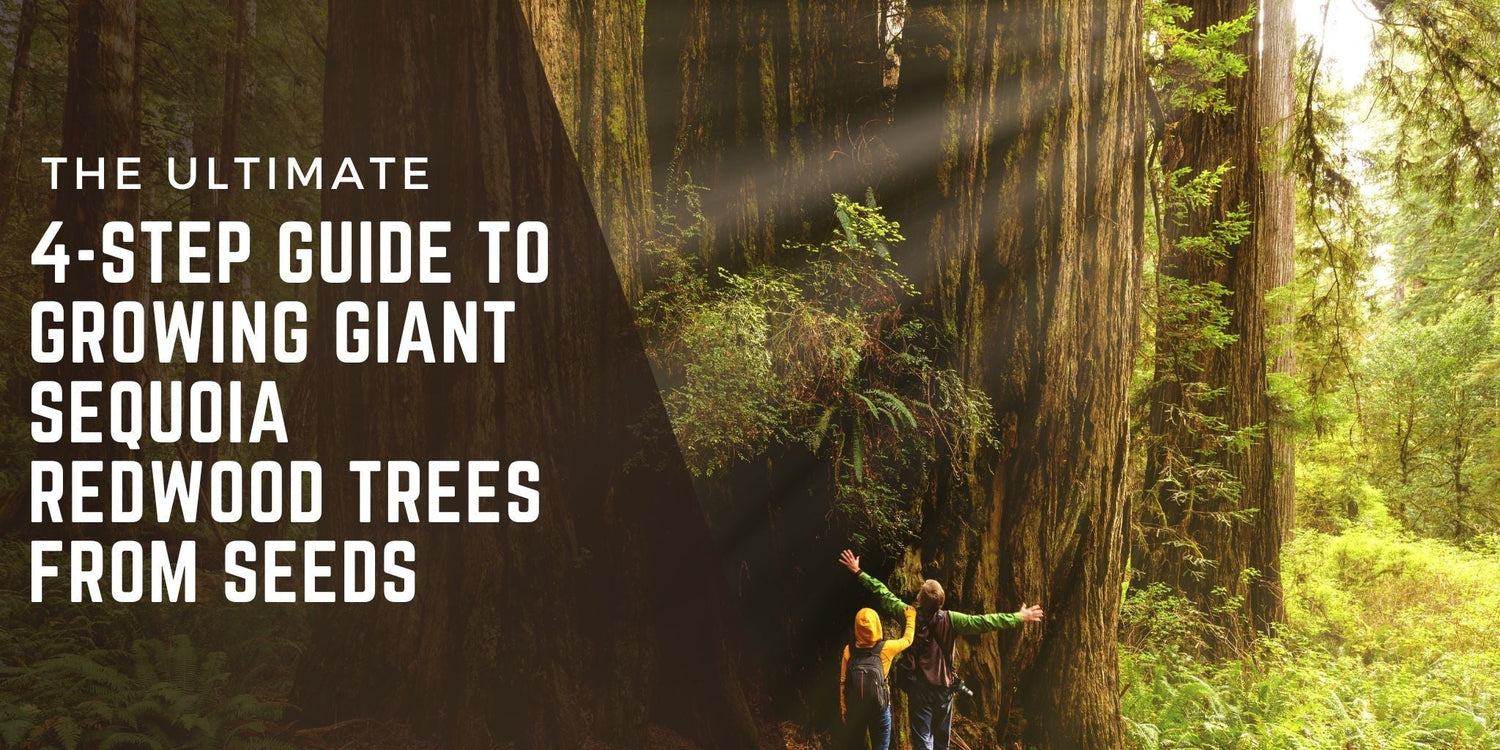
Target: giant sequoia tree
(1020, 132)
(565, 632)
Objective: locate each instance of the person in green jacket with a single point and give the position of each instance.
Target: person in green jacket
(930, 694)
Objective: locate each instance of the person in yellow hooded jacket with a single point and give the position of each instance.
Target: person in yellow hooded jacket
(864, 696)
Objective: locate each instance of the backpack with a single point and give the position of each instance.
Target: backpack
(928, 657)
(864, 680)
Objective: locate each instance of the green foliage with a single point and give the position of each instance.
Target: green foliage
(116, 675)
(1436, 73)
(820, 353)
(1188, 66)
(1330, 297)
(161, 694)
(1184, 320)
(1430, 417)
(1183, 323)
(1392, 646)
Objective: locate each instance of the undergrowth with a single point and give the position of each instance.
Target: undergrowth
(1393, 644)
(164, 677)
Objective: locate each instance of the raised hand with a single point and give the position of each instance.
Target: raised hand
(1030, 614)
(848, 559)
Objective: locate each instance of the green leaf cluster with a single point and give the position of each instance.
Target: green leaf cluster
(820, 352)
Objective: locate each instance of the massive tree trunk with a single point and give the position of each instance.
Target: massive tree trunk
(15, 112)
(593, 52)
(101, 119)
(835, 101)
(769, 108)
(1019, 130)
(1210, 546)
(603, 623)
(1274, 95)
(719, 119)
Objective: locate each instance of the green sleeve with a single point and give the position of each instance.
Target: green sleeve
(890, 604)
(974, 624)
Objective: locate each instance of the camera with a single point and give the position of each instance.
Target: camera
(959, 688)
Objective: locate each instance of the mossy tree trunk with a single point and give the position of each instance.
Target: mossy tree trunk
(837, 115)
(719, 119)
(1020, 131)
(593, 52)
(603, 623)
(769, 108)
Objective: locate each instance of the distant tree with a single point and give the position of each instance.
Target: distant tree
(15, 111)
(1210, 475)
(1434, 391)
(1277, 42)
(101, 120)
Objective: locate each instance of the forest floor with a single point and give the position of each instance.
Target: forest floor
(1393, 644)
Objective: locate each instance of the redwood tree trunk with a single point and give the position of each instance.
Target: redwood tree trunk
(838, 124)
(769, 107)
(235, 92)
(1276, 90)
(1214, 570)
(593, 52)
(603, 623)
(1020, 132)
(719, 119)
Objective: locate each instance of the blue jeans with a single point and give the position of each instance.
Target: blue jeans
(876, 725)
(930, 711)
(880, 730)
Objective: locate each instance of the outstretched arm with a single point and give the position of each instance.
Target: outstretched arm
(974, 624)
(889, 604)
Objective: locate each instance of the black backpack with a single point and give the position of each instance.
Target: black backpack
(864, 680)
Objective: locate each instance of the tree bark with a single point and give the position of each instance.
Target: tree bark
(242, 12)
(769, 108)
(836, 80)
(719, 120)
(1274, 104)
(593, 52)
(101, 120)
(1215, 573)
(15, 112)
(1020, 132)
(603, 623)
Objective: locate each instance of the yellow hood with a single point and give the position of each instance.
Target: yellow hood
(866, 628)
